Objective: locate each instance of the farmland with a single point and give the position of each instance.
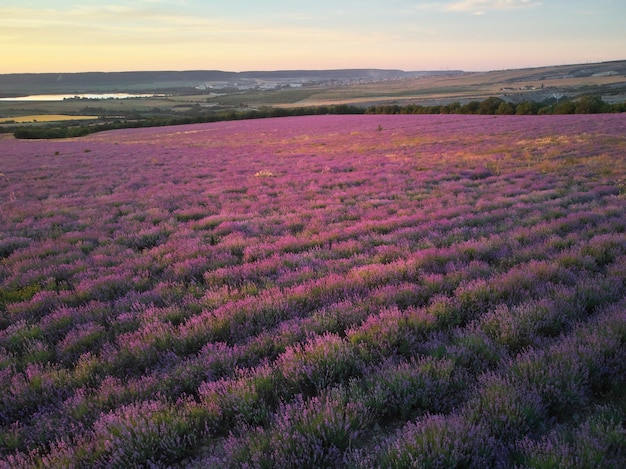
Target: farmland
(324, 291)
(46, 118)
(171, 96)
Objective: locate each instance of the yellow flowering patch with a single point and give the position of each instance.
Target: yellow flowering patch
(45, 118)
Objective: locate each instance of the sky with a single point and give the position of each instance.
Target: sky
(238, 35)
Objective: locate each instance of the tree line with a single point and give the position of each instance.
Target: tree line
(498, 106)
(490, 106)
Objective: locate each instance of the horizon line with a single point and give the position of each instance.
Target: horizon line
(447, 69)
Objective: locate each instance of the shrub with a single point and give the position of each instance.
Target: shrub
(599, 441)
(385, 334)
(523, 325)
(437, 441)
(558, 377)
(84, 338)
(104, 288)
(337, 318)
(445, 310)
(317, 432)
(473, 298)
(12, 244)
(507, 411)
(592, 293)
(236, 400)
(417, 386)
(149, 432)
(322, 361)
(473, 350)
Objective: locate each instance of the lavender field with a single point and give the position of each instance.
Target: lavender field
(331, 291)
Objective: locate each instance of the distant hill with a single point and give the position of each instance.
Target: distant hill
(29, 83)
(368, 86)
(597, 70)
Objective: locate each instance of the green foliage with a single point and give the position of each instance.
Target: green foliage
(490, 105)
(438, 441)
(588, 104)
(53, 132)
(600, 441)
(16, 294)
(527, 108)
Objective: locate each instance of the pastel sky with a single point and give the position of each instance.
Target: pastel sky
(237, 35)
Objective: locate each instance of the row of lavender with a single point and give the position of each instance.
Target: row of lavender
(357, 291)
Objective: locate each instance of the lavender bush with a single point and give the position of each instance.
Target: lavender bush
(328, 291)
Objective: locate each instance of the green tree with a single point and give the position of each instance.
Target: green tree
(589, 105)
(470, 108)
(565, 107)
(527, 108)
(505, 108)
(490, 105)
(452, 108)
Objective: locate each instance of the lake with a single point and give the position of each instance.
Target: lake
(62, 97)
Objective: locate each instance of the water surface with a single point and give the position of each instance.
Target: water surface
(61, 97)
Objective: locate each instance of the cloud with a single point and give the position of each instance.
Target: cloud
(117, 25)
(480, 7)
(474, 6)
